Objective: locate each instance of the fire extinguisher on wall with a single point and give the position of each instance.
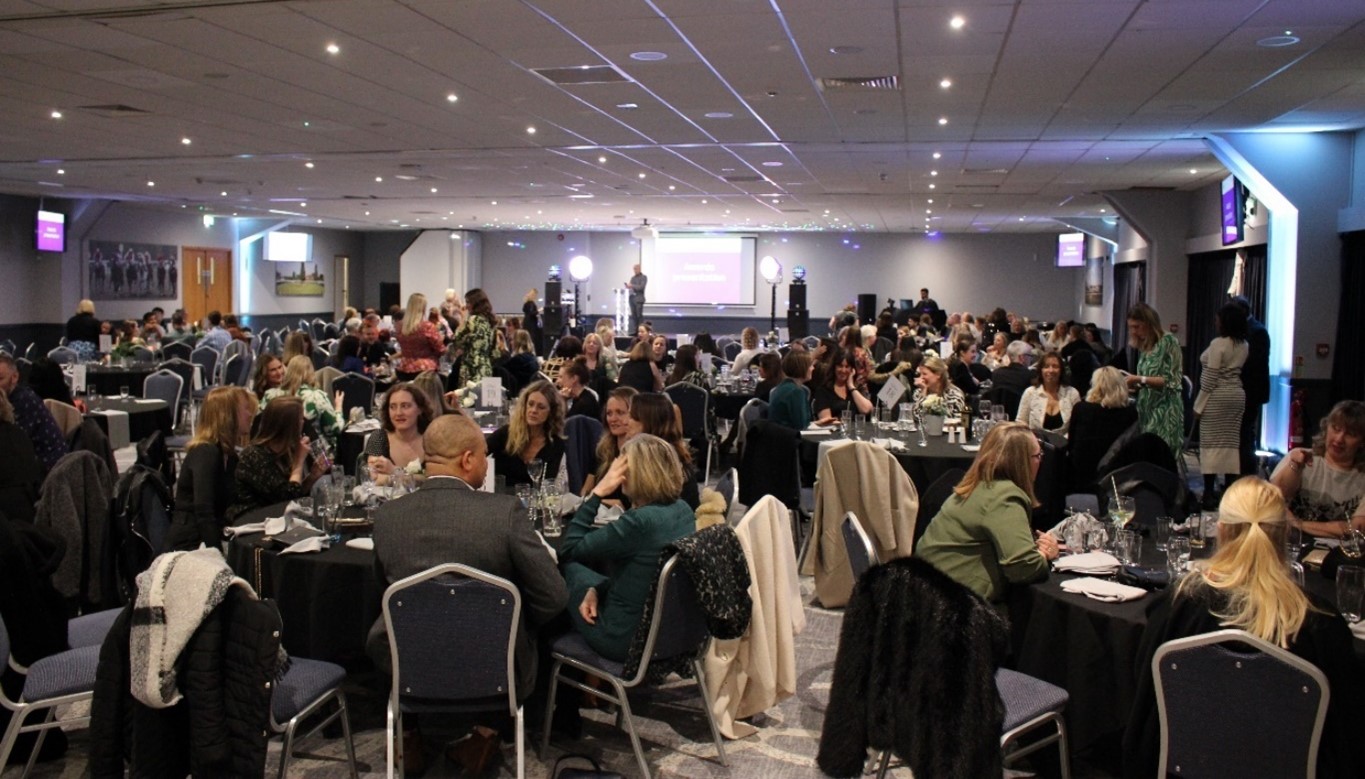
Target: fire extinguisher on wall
(1296, 420)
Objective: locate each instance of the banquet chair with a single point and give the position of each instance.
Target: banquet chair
(331, 345)
(728, 487)
(1156, 491)
(176, 350)
(330, 330)
(306, 687)
(67, 416)
(56, 680)
(324, 377)
(185, 370)
(63, 356)
(25, 366)
(582, 434)
(448, 611)
(1007, 397)
(1213, 697)
(861, 554)
(935, 495)
(318, 329)
(732, 350)
(319, 357)
(206, 357)
(677, 629)
(165, 385)
(142, 354)
(358, 391)
(753, 410)
(7, 346)
(881, 348)
(695, 403)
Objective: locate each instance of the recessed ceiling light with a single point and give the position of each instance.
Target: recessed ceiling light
(56, 114)
(1193, 171)
(433, 190)
(642, 175)
(703, 201)
(1104, 210)
(303, 204)
(367, 213)
(945, 83)
(379, 178)
(1021, 218)
(957, 22)
(627, 106)
(494, 202)
(931, 200)
(151, 183)
(845, 49)
(332, 48)
(864, 111)
(938, 155)
(928, 210)
(223, 193)
(933, 173)
(1278, 41)
(308, 165)
(671, 187)
(932, 186)
(602, 160)
(718, 115)
(772, 164)
(648, 56)
(186, 141)
(452, 98)
(942, 120)
(61, 171)
(530, 130)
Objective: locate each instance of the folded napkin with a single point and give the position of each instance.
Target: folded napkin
(1102, 589)
(366, 544)
(569, 503)
(607, 514)
(363, 426)
(889, 443)
(273, 526)
(312, 544)
(1094, 563)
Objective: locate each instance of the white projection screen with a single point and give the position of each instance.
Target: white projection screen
(700, 270)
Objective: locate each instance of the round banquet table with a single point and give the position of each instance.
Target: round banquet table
(145, 416)
(924, 464)
(727, 405)
(328, 600)
(107, 379)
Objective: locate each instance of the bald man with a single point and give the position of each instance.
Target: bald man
(449, 520)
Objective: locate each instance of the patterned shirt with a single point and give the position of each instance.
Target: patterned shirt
(1326, 494)
(476, 340)
(317, 409)
(33, 417)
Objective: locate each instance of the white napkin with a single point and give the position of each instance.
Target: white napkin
(889, 443)
(273, 526)
(607, 514)
(363, 426)
(366, 544)
(569, 503)
(311, 544)
(1088, 563)
(1102, 589)
(145, 401)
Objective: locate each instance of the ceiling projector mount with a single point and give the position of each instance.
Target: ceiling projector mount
(645, 230)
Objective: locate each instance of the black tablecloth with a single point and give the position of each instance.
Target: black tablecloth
(328, 600)
(107, 379)
(924, 464)
(144, 416)
(728, 405)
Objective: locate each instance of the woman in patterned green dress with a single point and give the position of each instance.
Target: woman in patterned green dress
(1158, 381)
(322, 412)
(475, 340)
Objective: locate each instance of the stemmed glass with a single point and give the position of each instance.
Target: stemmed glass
(536, 470)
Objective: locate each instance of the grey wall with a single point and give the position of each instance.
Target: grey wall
(31, 291)
(381, 252)
(257, 277)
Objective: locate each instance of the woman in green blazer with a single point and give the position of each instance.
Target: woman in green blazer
(610, 569)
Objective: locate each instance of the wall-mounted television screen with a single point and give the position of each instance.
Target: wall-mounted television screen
(51, 231)
(1233, 203)
(1071, 250)
(281, 246)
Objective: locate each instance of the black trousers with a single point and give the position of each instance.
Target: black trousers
(1250, 438)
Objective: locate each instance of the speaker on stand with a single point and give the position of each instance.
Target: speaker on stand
(798, 316)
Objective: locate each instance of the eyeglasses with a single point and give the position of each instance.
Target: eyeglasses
(1038, 455)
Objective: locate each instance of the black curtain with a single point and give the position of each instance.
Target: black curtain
(1348, 371)
(1130, 287)
(1209, 278)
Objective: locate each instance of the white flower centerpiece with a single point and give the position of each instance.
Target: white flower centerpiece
(932, 409)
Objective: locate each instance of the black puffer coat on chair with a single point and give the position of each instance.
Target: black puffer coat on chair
(915, 673)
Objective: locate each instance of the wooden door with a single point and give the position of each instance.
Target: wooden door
(207, 278)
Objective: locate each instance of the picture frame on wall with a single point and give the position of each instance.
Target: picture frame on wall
(304, 281)
(124, 270)
(1094, 281)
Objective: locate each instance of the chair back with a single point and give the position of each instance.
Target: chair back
(143, 354)
(881, 347)
(165, 385)
(771, 465)
(452, 611)
(1008, 397)
(728, 487)
(1213, 701)
(176, 350)
(206, 357)
(754, 410)
(318, 329)
(861, 554)
(319, 357)
(182, 368)
(68, 417)
(25, 366)
(693, 401)
(324, 377)
(4, 655)
(1156, 491)
(7, 346)
(330, 330)
(731, 350)
(359, 391)
(931, 502)
(583, 433)
(678, 626)
(63, 356)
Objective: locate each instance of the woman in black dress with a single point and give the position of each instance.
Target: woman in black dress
(205, 487)
(276, 467)
(535, 432)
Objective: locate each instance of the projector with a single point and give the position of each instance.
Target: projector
(644, 231)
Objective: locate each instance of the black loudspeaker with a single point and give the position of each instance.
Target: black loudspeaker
(867, 308)
(551, 322)
(798, 323)
(554, 290)
(796, 295)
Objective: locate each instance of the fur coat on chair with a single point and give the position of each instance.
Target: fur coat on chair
(915, 673)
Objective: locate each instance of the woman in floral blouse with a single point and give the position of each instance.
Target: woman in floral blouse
(321, 413)
(419, 341)
(475, 340)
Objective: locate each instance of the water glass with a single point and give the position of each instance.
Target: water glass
(1350, 591)
(552, 527)
(1293, 543)
(1353, 544)
(123, 392)
(1195, 524)
(1130, 547)
(983, 409)
(1163, 532)
(846, 421)
(348, 487)
(998, 413)
(859, 426)
(907, 416)
(524, 492)
(1096, 538)
(1178, 555)
(1075, 536)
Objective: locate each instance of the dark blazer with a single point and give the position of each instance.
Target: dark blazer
(1014, 376)
(586, 404)
(1256, 370)
(447, 522)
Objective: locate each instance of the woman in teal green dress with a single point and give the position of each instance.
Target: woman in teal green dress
(1159, 378)
(610, 569)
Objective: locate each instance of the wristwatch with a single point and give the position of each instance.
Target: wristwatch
(1142, 381)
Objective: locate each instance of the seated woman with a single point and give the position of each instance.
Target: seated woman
(932, 380)
(616, 424)
(610, 570)
(851, 342)
(789, 402)
(839, 392)
(349, 357)
(641, 371)
(601, 364)
(522, 363)
(1247, 586)
(268, 374)
(658, 352)
(981, 538)
(1047, 404)
(960, 366)
(205, 487)
(298, 343)
(323, 416)
(995, 356)
(748, 351)
(535, 432)
(276, 466)
(1324, 485)
(403, 417)
(128, 341)
(1096, 423)
(686, 368)
(654, 414)
(573, 387)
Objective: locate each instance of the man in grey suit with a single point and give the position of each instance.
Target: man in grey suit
(449, 520)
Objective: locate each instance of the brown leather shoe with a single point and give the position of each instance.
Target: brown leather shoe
(414, 762)
(475, 752)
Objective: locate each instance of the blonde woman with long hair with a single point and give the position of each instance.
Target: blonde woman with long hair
(419, 340)
(204, 488)
(534, 432)
(322, 414)
(1247, 585)
(982, 537)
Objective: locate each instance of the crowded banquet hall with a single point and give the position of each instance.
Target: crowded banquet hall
(546, 388)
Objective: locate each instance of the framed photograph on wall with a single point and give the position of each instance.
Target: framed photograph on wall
(1094, 281)
(122, 270)
(304, 281)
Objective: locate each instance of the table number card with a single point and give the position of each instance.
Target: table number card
(490, 392)
(891, 392)
(78, 379)
(106, 344)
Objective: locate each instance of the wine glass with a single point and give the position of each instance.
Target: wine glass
(536, 470)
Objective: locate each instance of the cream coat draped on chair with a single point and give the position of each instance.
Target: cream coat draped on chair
(865, 479)
(757, 671)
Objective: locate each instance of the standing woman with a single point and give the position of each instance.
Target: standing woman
(1221, 400)
(322, 413)
(1047, 404)
(475, 340)
(419, 341)
(616, 424)
(204, 489)
(530, 319)
(83, 332)
(276, 466)
(1158, 378)
(535, 432)
(403, 418)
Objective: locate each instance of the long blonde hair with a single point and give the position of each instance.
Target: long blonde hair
(416, 313)
(519, 432)
(216, 424)
(1249, 566)
(1005, 454)
(297, 372)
